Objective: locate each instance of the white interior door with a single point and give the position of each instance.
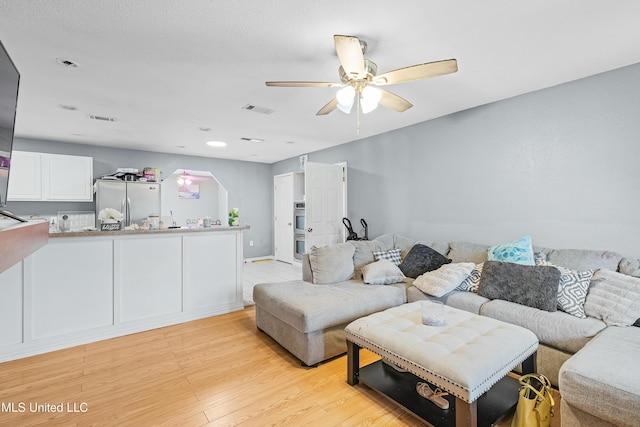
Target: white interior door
(325, 204)
(283, 216)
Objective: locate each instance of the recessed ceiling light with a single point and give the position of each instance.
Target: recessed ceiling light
(67, 63)
(67, 107)
(217, 144)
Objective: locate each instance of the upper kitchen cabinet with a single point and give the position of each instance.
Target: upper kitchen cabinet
(50, 177)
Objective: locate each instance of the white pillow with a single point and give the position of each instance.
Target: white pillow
(382, 272)
(445, 279)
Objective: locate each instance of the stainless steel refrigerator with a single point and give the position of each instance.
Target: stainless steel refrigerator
(136, 200)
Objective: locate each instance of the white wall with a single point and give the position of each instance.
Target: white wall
(560, 164)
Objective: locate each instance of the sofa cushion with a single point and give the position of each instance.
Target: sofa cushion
(364, 250)
(519, 251)
(629, 266)
(533, 286)
(614, 298)
(467, 252)
(572, 289)
(332, 264)
(382, 272)
(558, 329)
(310, 308)
(471, 283)
(444, 279)
(602, 380)
(582, 259)
(392, 255)
(421, 259)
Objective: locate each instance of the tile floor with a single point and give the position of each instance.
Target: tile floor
(264, 271)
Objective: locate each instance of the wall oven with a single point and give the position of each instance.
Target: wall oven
(299, 246)
(299, 218)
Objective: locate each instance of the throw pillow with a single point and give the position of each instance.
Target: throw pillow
(613, 298)
(444, 279)
(420, 259)
(518, 252)
(381, 272)
(331, 264)
(533, 286)
(637, 323)
(470, 284)
(392, 255)
(572, 289)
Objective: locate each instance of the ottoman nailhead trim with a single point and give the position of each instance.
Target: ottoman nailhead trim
(453, 388)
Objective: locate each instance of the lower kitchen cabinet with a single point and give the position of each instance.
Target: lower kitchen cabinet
(149, 277)
(71, 287)
(206, 261)
(11, 306)
(83, 287)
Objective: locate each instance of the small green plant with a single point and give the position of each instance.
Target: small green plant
(233, 217)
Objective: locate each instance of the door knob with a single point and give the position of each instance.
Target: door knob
(309, 229)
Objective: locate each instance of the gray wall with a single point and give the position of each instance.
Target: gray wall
(560, 164)
(249, 184)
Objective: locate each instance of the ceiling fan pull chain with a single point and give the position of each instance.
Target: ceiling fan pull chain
(358, 113)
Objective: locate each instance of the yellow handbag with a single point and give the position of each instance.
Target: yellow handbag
(535, 402)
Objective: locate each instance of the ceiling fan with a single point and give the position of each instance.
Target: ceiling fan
(359, 81)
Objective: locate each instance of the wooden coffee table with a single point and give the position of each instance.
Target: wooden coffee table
(469, 357)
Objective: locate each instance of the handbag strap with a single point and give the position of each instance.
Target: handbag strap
(541, 378)
(548, 397)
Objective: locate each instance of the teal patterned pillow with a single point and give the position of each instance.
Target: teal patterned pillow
(518, 252)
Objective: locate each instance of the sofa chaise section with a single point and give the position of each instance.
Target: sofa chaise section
(309, 320)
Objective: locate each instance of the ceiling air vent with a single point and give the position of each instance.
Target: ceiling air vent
(67, 63)
(252, 139)
(102, 118)
(257, 109)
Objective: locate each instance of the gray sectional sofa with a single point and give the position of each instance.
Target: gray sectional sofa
(593, 360)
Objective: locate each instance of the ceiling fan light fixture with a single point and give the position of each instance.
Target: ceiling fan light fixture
(345, 98)
(370, 99)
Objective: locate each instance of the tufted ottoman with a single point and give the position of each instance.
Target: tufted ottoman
(466, 357)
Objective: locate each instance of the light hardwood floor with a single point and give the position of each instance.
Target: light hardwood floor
(219, 371)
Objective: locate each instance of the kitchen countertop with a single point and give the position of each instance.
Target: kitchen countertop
(147, 232)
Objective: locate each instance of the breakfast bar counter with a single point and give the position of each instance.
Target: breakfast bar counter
(146, 232)
(91, 285)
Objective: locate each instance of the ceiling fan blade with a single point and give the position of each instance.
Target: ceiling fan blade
(304, 84)
(393, 101)
(350, 55)
(417, 72)
(329, 107)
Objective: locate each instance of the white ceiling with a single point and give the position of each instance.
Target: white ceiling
(165, 68)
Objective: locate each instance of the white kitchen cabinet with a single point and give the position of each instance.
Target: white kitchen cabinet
(71, 287)
(82, 287)
(209, 282)
(149, 276)
(25, 180)
(67, 178)
(11, 304)
(50, 177)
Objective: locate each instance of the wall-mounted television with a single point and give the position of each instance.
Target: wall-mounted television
(9, 83)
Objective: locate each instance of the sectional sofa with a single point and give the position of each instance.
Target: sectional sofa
(590, 354)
